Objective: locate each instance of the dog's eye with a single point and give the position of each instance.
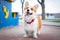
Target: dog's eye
(31, 8)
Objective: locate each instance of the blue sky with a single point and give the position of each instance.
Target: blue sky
(51, 6)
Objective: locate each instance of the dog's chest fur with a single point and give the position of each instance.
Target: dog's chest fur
(32, 26)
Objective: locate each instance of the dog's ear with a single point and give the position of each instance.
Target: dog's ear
(35, 7)
(26, 5)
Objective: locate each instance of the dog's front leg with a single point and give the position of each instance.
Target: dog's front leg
(26, 34)
(35, 34)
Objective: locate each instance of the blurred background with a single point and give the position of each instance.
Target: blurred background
(11, 22)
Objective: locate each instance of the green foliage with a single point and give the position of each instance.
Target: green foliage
(53, 20)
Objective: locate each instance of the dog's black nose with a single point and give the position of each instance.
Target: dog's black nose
(27, 9)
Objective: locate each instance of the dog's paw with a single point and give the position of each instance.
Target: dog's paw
(25, 36)
(35, 37)
(38, 32)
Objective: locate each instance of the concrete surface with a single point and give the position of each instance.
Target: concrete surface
(16, 33)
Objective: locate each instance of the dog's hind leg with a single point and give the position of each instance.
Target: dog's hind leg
(35, 34)
(38, 32)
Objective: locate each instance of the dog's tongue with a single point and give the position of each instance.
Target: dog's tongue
(26, 14)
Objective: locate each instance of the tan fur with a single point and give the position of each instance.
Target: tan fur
(36, 25)
(38, 18)
(35, 10)
(39, 22)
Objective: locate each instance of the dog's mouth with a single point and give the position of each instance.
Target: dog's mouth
(28, 13)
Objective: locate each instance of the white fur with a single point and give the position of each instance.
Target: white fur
(30, 27)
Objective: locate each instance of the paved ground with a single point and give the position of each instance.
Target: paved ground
(47, 33)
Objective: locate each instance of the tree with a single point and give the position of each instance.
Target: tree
(43, 8)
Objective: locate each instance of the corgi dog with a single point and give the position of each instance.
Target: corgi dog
(32, 22)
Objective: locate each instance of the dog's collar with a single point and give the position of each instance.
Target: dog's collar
(30, 22)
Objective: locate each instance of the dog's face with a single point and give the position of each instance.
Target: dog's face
(30, 11)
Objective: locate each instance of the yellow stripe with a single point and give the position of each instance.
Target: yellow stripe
(5, 11)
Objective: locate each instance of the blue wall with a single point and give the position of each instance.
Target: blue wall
(10, 21)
